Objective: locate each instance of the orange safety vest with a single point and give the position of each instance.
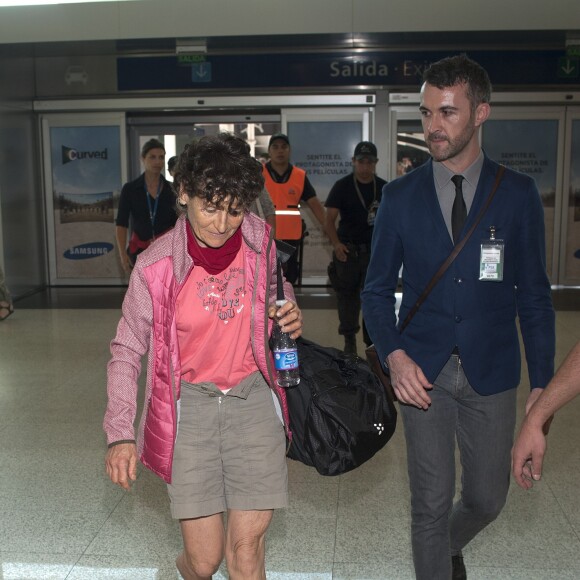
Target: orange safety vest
(286, 198)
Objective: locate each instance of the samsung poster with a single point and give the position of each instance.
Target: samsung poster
(324, 149)
(531, 147)
(86, 180)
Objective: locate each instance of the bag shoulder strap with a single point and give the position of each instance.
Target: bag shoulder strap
(458, 247)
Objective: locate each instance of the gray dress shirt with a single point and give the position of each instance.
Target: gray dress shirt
(445, 188)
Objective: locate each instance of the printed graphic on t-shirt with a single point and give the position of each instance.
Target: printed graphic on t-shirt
(223, 294)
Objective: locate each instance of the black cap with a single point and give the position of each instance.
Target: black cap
(277, 136)
(365, 150)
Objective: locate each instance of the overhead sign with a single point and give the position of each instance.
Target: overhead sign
(201, 72)
(568, 67)
(344, 69)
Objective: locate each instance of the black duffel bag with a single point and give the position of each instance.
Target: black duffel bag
(340, 414)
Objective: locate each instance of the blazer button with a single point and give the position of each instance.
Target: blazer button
(458, 319)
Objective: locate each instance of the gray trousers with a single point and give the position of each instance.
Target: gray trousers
(483, 427)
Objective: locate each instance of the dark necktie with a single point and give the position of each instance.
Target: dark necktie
(459, 211)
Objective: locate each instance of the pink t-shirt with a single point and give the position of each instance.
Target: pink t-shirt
(213, 314)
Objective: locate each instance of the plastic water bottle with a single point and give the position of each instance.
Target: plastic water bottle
(285, 356)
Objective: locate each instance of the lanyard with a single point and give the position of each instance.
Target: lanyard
(153, 210)
(360, 196)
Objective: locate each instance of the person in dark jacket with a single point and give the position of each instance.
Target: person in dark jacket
(355, 198)
(456, 366)
(146, 205)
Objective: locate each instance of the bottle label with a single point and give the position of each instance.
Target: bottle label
(286, 359)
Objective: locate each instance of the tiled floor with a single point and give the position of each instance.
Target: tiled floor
(61, 518)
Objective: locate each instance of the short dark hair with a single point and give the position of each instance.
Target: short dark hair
(455, 70)
(171, 163)
(151, 144)
(219, 167)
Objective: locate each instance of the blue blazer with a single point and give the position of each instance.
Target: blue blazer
(479, 317)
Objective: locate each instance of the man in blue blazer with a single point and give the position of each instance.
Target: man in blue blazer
(456, 366)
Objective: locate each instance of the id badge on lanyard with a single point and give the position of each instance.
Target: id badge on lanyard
(372, 213)
(491, 259)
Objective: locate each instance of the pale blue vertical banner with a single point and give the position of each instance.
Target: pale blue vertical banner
(324, 149)
(531, 147)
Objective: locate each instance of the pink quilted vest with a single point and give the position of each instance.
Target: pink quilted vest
(148, 324)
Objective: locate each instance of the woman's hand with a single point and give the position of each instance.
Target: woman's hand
(121, 464)
(126, 264)
(289, 316)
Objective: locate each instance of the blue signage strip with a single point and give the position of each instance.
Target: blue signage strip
(391, 69)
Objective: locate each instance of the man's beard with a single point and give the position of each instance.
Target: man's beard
(454, 146)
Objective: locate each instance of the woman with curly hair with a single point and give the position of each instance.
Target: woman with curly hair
(201, 301)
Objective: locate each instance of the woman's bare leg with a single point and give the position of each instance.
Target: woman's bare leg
(203, 547)
(246, 543)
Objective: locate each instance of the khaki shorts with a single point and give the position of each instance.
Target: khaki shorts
(230, 451)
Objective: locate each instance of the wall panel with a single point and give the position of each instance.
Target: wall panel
(21, 216)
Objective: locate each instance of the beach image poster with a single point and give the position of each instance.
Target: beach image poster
(86, 184)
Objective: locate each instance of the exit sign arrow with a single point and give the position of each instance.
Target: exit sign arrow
(567, 68)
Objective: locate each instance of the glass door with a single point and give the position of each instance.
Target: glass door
(317, 135)
(323, 141)
(176, 132)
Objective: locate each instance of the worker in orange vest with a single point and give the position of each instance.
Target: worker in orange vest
(288, 186)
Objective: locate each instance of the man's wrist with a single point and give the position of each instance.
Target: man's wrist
(393, 355)
(537, 415)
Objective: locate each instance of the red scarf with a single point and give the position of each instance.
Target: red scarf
(213, 260)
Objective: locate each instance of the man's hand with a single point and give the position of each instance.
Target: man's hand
(121, 464)
(409, 382)
(528, 454)
(341, 251)
(530, 446)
